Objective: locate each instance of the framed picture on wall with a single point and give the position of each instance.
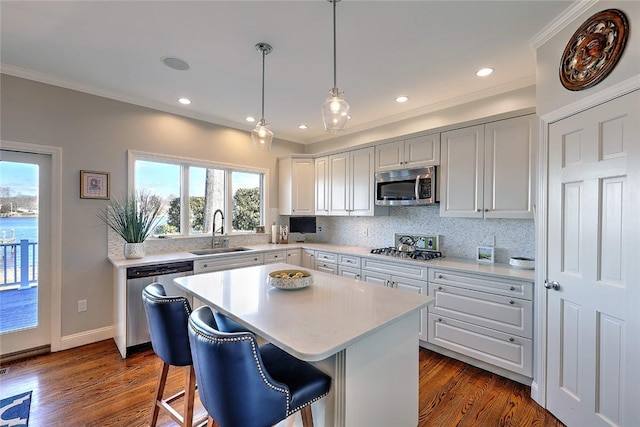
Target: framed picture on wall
(485, 254)
(94, 185)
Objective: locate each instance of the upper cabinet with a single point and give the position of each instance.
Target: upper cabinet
(297, 185)
(487, 171)
(409, 153)
(322, 185)
(351, 184)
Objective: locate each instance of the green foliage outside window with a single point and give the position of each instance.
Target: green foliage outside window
(246, 209)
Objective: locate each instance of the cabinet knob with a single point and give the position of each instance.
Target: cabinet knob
(513, 288)
(205, 265)
(512, 302)
(439, 319)
(440, 276)
(479, 210)
(486, 210)
(440, 288)
(511, 339)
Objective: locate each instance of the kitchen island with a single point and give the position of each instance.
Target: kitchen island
(365, 337)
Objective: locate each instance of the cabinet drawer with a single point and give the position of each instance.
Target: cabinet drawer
(353, 273)
(327, 267)
(272, 257)
(226, 263)
(508, 315)
(349, 260)
(398, 268)
(326, 257)
(495, 285)
(506, 351)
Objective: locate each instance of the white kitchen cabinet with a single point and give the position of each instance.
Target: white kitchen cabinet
(308, 258)
(485, 318)
(351, 184)
(322, 185)
(294, 257)
(487, 171)
(275, 256)
(296, 186)
(406, 277)
(219, 263)
(409, 153)
(349, 266)
(326, 261)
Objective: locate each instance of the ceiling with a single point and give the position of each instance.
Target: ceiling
(426, 50)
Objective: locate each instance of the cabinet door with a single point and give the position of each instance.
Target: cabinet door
(308, 259)
(462, 171)
(417, 287)
(273, 257)
(376, 278)
(326, 267)
(351, 272)
(390, 156)
(338, 184)
(422, 151)
(294, 257)
(508, 174)
(361, 182)
(322, 185)
(302, 187)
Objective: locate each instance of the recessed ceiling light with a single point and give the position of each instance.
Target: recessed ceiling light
(175, 63)
(184, 101)
(402, 99)
(303, 127)
(484, 72)
(250, 119)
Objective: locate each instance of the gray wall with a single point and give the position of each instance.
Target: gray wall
(95, 134)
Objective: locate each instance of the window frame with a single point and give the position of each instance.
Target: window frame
(133, 155)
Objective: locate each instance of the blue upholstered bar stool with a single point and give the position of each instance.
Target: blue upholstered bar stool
(167, 317)
(244, 385)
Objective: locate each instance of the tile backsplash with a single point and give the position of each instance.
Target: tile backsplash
(459, 237)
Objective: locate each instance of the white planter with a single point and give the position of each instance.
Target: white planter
(134, 250)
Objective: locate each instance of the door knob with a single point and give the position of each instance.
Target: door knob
(552, 285)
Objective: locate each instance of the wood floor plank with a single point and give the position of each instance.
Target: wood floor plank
(92, 386)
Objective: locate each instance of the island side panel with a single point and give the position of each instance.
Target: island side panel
(379, 385)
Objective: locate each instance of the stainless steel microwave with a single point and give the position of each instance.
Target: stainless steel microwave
(406, 187)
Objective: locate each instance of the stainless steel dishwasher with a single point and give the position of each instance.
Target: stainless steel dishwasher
(137, 279)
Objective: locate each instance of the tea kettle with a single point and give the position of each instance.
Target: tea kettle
(407, 244)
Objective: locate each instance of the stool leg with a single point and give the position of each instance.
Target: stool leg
(307, 417)
(189, 395)
(159, 392)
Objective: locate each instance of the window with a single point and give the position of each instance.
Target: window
(191, 191)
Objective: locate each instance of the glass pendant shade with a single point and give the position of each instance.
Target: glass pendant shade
(261, 137)
(335, 112)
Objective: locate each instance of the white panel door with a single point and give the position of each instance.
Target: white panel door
(302, 188)
(339, 184)
(322, 185)
(361, 182)
(593, 318)
(422, 151)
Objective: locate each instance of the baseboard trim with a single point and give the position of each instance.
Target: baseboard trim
(87, 337)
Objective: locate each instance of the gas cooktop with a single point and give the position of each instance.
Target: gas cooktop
(418, 247)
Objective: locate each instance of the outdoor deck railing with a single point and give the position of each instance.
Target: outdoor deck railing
(19, 262)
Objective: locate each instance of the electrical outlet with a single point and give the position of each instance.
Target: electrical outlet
(319, 228)
(82, 305)
(365, 232)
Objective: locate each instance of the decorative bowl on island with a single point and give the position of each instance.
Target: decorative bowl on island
(290, 279)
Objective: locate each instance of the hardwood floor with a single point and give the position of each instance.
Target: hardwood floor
(93, 386)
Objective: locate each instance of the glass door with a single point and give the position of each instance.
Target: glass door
(24, 245)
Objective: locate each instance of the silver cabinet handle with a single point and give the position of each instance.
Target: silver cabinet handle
(552, 285)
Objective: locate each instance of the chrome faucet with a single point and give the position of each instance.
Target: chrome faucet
(213, 228)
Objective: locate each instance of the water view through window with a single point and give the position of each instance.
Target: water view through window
(18, 246)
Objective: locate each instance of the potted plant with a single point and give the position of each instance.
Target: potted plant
(133, 217)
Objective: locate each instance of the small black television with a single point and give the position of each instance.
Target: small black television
(302, 224)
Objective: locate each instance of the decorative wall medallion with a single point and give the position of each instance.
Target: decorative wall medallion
(594, 50)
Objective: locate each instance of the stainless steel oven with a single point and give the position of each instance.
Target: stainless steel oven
(406, 187)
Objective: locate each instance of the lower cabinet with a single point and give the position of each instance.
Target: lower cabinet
(308, 259)
(275, 257)
(413, 280)
(483, 317)
(326, 261)
(294, 257)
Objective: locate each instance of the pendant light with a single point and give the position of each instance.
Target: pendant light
(335, 110)
(261, 135)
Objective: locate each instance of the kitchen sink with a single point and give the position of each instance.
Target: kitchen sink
(217, 251)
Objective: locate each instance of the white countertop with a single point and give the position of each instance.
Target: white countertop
(312, 323)
(460, 264)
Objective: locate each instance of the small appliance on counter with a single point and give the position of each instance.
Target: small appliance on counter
(418, 247)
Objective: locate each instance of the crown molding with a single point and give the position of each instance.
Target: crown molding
(560, 22)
